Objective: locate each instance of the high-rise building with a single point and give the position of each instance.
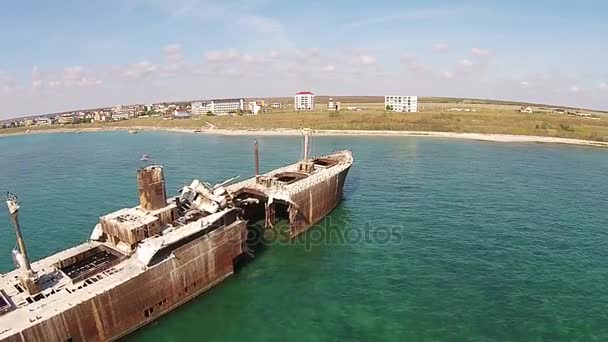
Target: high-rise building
(304, 100)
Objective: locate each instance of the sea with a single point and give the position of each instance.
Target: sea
(435, 240)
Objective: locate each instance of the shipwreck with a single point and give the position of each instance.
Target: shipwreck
(142, 262)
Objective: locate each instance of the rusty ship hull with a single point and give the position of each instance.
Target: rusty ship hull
(138, 299)
(140, 263)
(303, 193)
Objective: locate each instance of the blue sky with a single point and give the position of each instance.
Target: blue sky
(65, 55)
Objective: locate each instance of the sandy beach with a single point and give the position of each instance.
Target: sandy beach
(506, 138)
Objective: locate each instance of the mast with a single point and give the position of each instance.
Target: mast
(12, 202)
(306, 165)
(256, 157)
(306, 143)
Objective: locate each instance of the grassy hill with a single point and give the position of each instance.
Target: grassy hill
(434, 116)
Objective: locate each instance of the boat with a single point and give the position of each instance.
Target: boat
(142, 262)
(133, 131)
(145, 157)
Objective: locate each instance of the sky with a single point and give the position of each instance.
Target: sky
(71, 54)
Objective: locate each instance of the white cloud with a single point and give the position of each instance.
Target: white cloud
(440, 47)
(139, 70)
(448, 74)
(575, 89)
(36, 78)
(274, 54)
(222, 55)
(174, 61)
(465, 63)
(173, 52)
(480, 52)
(72, 73)
(7, 83)
(250, 58)
(407, 56)
(172, 48)
(329, 68)
(603, 85)
(76, 76)
(524, 83)
(366, 60)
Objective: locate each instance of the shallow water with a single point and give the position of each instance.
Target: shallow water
(435, 239)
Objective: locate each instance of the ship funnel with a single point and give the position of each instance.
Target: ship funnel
(151, 185)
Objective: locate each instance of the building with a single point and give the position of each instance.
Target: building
(102, 117)
(276, 105)
(123, 113)
(120, 116)
(200, 109)
(65, 119)
(42, 121)
(304, 100)
(226, 106)
(333, 105)
(254, 107)
(526, 110)
(401, 103)
(181, 114)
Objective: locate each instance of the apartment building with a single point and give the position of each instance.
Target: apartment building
(401, 103)
(304, 100)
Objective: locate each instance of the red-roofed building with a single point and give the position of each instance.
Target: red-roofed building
(304, 100)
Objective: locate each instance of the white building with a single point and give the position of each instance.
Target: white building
(200, 109)
(333, 105)
(42, 121)
(304, 100)
(218, 107)
(401, 103)
(254, 107)
(226, 106)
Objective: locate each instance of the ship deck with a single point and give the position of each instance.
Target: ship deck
(60, 291)
(287, 190)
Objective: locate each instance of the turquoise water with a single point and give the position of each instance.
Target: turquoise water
(442, 239)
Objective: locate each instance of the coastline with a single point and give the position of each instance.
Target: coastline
(328, 132)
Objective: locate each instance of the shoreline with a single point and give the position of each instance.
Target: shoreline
(329, 132)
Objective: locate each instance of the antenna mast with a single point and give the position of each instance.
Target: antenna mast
(12, 202)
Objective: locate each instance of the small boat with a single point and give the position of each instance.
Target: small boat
(133, 131)
(145, 157)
